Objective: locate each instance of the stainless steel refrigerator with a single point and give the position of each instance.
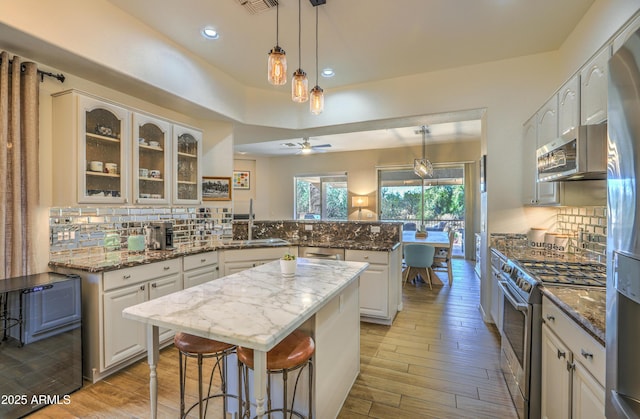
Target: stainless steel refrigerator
(623, 239)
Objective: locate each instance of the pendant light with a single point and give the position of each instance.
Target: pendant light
(423, 167)
(299, 83)
(316, 102)
(277, 65)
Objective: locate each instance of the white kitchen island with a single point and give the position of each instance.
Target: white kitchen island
(257, 308)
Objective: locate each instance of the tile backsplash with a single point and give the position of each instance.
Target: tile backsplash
(587, 229)
(82, 228)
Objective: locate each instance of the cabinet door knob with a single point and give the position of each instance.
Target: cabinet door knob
(166, 268)
(551, 318)
(203, 260)
(587, 355)
(126, 276)
(142, 287)
(561, 354)
(366, 257)
(154, 285)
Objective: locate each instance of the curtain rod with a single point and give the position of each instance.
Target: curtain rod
(60, 77)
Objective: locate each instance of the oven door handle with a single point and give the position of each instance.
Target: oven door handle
(524, 307)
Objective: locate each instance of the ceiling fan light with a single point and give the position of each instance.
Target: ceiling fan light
(316, 100)
(299, 86)
(277, 66)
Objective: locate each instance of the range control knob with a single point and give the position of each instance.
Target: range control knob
(526, 286)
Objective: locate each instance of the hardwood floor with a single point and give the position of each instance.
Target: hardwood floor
(438, 360)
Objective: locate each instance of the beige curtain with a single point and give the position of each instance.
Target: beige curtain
(18, 164)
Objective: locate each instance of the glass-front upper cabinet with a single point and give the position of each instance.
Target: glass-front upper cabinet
(103, 171)
(187, 165)
(151, 161)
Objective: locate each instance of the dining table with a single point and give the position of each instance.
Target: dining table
(438, 239)
(257, 308)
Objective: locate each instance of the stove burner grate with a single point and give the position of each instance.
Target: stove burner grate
(566, 273)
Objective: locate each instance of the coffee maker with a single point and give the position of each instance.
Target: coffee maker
(159, 235)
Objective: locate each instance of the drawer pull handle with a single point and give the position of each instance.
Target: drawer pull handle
(154, 285)
(126, 276)
(366, 257)
(561, 354)
(587, 355)
(203, 260)
(141, 287)
(166, 268)
(551, 318)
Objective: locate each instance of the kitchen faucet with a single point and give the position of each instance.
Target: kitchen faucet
(250, 228)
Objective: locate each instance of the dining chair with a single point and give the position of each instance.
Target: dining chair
(442, 259)
(418, 258)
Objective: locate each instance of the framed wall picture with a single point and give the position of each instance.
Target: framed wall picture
(216, 188)
(483, 173)
(241, 179)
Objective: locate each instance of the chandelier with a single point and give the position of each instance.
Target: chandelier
(423, 167)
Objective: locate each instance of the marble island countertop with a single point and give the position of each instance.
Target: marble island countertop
(256, 307)
(99, 260)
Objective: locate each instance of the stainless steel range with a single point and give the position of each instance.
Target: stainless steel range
(522, 323)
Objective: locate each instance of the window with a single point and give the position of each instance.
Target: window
(444, 198)
(321, 197)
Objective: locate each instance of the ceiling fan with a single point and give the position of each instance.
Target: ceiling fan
(306, 147)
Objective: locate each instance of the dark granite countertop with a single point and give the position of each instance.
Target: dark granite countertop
(586, 306)
(99, 260)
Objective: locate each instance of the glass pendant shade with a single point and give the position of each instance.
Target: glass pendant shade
(299, 86)
(316, 100)
(422, 168)
(277, 71)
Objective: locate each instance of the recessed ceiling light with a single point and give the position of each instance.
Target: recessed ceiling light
(327, 72)
(210, 33)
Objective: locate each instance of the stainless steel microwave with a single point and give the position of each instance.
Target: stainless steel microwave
(580, 154)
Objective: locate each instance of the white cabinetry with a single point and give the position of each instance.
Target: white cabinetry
(569, 106)
(556, 377)
(625, 34)
(125, 287)
(337, 358)
(573, 368)
(187, 152)
(593, 88)
(99, 156)
(380, 284)
(236, 260)
(497, 298)
(111, 342)
(534, 192)
(547, 122)
(92, 138)
(200, 268)
(151, 160)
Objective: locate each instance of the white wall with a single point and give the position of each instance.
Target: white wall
(274, 199)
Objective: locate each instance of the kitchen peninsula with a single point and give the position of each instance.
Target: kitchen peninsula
(257, 308)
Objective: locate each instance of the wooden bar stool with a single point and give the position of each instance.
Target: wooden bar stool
(293, 353)
(190, 346)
